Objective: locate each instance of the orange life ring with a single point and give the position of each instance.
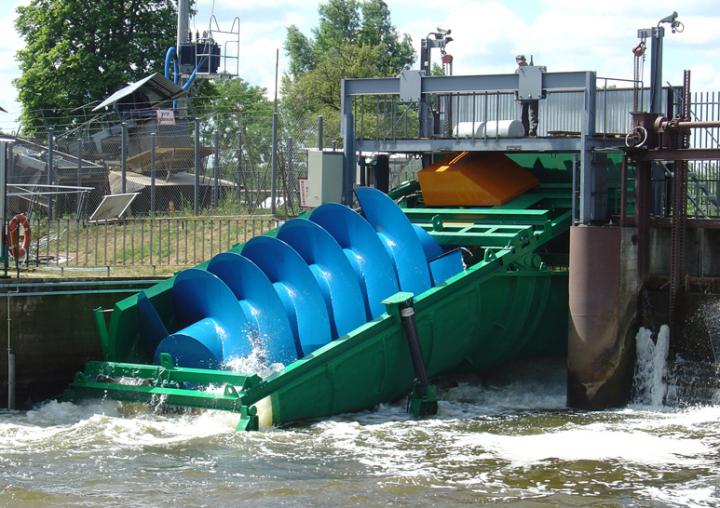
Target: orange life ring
(17, 249)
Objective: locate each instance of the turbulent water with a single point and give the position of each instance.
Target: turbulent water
(505, 440)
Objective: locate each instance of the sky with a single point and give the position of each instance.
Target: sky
(563, 35)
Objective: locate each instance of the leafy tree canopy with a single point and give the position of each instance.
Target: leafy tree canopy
(236, 109)
(80, 51)
(354, 39)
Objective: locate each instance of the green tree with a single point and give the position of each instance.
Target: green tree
(78, 52)
(242, 115)
(354, 39)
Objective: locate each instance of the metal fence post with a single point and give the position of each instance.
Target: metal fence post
(289, 173)
(78, 179)
(274, 165)
(320, 129)
(361, 162)
(123, 157)
(196, 185)
(239, 178)
(153, 147)
(50, 171)
(216, 167)
(79, 162)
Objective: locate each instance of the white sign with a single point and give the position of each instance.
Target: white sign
(165, 117)
(304, 191)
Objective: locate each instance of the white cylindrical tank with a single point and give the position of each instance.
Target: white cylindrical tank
(504, 129)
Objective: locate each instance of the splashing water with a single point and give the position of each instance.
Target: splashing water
(650, 381)
(506, 440)
(254, 363)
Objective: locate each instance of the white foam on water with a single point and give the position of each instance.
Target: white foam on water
(495, 398)
(154, 430)
(593, 442)
(500, 439)
(99, 424)
(521, 424)
(650, 379)
(693, 494)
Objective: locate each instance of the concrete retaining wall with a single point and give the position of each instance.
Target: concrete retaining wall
(52, 333)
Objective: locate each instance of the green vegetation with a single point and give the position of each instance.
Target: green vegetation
(78, 52)
(242, 115)
(355, 39)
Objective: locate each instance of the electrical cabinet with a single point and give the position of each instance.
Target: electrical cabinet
(324, 183)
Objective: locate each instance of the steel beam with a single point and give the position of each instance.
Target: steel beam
(695, 154)
(566, 81)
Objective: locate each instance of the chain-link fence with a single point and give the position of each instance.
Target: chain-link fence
(221, 163)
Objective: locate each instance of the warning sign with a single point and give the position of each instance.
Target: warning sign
(304, 191)
(165, 117)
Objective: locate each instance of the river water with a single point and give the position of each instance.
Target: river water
(507, 439)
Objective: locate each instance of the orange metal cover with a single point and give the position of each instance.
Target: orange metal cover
(474, 179)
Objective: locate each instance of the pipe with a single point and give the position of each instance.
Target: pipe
(170, 56)
(10, 361)
(11, 380)
(190, 80)
(698, 125)
(407, 315)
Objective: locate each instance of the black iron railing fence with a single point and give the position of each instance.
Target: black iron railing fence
(149, 242)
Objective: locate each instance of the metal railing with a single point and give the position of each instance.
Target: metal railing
(385, 117)
(67, 244)
(704, 176)
(704, 189)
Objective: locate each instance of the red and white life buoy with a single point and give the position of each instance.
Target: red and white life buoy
(18, 246)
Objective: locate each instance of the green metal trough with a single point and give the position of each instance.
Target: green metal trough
(510, 301)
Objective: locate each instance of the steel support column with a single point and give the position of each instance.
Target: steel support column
(588, 210)
(656, 51)
(623, 191)
(679, 218)
(348, 133)
(642, 217)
